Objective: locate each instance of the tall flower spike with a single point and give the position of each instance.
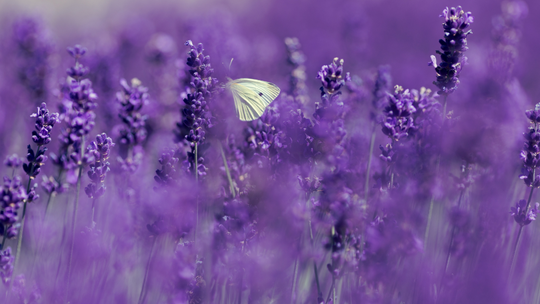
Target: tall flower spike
(133, 130)
(41, 136)
(76, 111)
(97, 154)
(453, 46)
(196, 115)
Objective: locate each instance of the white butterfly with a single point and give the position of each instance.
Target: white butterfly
(251, 96)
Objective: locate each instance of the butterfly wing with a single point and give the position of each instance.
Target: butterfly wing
(251, 97)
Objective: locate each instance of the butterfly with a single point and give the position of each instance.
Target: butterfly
(251, 96)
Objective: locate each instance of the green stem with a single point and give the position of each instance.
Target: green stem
(319, 293)
(437, 167)
(231, 184)
(293, 289)
(21, 231)
(370, 157)
(93, 210)
(142, 295)
(75, 211)
(196, 185)
(451, 242)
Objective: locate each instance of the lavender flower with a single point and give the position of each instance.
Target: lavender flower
(77, 113)
(398, 114)
(298, 75)
(52, 186)
(196, 115)
(381, 90)
(329, 130)
(453, 46)
(530, 155)
(13, 161)
(97, 154)
(12, 197)
(6, 265)
(523, 216)
(167, 174)
(41, 136)
(263, 138)
(133, 131)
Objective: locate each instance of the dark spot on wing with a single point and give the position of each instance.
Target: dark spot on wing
(260, 94)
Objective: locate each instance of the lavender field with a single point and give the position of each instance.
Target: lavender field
(397, 165)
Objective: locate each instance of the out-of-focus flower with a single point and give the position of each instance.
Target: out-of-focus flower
(33, 50)
(13, 161)
(52, 186)
(522, 215)
(167, 175)
(133, 130)
(6, 265)
(160, 49)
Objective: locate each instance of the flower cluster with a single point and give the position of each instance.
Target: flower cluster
(97, 155)
(263, 137)
(41, 136)
(133, 130)
(76, 112)
(399, 122)
(167, 174)
(12, 197)
(522, 214)
(6, 265)
(453, 46)
(196, 115)
(530, 155)
(13, 161)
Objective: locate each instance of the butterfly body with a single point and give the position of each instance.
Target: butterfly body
(251, 96)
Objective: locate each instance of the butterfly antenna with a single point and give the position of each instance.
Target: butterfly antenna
(230, 64)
